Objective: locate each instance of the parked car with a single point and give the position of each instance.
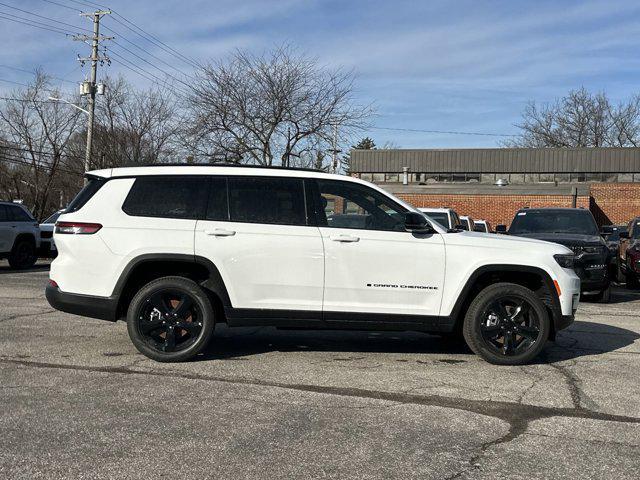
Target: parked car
(19, 235)
(467, 223)
(611, 235)
(629, 253)
(47, 245)
(577, 229)
(175, 249)
(447, 217)
(482, 226)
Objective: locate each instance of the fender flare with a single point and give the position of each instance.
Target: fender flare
(214, 283)
(554, 300)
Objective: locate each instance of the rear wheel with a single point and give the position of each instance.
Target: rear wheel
(170, 319)
(506, 324)
(23, 254)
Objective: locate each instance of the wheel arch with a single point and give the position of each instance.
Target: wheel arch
(534, 278)
(24, 236)
(145, 268)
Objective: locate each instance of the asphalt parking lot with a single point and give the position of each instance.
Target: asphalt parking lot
(78, 401)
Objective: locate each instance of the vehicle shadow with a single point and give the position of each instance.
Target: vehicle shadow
(235, 343)
(5, 268)
(587, 338)
(579, 340)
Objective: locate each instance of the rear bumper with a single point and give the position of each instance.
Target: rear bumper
(103, 308)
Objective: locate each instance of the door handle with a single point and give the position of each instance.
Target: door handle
(344, 238)
(220, 232)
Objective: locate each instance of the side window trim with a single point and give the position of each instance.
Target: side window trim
(301, 180)
(388, 200)
(200, 213)
(210, 179)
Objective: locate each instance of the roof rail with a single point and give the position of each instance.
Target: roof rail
(220, 164)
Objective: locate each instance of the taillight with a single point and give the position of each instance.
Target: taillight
(77, 228)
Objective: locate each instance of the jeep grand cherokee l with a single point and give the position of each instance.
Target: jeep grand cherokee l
(177, 249)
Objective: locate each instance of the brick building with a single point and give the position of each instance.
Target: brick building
(493, 184)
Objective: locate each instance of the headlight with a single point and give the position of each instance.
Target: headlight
(565, 260)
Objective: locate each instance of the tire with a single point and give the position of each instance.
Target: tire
(170, 319)
(495, 311)
(633, 282)
(23, 254)
(604, 296)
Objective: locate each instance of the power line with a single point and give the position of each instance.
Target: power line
(27, 100)
(33, 23)
(119, 35)
(61, 5)
(140, 32)
(43, 17)
(151, 64)
(446, 132)
(32, 72)
(28, 163)
(17, 83)
(143, 73)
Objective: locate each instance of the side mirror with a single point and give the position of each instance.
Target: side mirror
(417, 223)
(623, 234)
(501, 229)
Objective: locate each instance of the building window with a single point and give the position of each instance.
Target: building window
(473, 177)
(636, 177)
(378, 177)
(516, 178)
(487, 178)
(531, 177)
(609, 177)
(563, 177)
(625, 177)
(392, 177)
(458, 177)
(546, 177)
(430, 178)
(366, 176)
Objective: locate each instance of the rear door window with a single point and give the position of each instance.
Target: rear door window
(18, 214)
(268, 200)
(3, 214)
(168, 197)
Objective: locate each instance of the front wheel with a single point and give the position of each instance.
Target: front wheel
(170, 319)
(506, 324)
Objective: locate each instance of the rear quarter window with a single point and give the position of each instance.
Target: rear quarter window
(167, 197)
(93, 185)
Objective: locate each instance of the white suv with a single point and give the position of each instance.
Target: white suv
(176, 249)
(447, 217)
(19, 235)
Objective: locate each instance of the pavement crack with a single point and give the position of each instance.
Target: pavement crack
(26, 315)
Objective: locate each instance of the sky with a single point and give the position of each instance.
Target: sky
(464, 66)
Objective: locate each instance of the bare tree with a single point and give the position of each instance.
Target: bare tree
(36, 133)
(132, 126)
(580, 119)
(279, 107)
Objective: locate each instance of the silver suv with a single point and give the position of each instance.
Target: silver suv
(19, 235)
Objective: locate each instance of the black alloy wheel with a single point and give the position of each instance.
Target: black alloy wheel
(170, 319)
(506, 324)
(510, 326)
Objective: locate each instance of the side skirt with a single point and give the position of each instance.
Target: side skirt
(312, 320)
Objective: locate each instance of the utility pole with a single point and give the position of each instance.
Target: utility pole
(90, 88)
(334, 151)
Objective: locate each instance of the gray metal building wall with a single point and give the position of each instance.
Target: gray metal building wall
(498, 160)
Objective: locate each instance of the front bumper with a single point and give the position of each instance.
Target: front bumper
(103, 308)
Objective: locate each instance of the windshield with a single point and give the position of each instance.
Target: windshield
(441, 217)
(554, 221)
(53, 218)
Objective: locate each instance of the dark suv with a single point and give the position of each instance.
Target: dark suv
(574, 228)
(629, 256)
